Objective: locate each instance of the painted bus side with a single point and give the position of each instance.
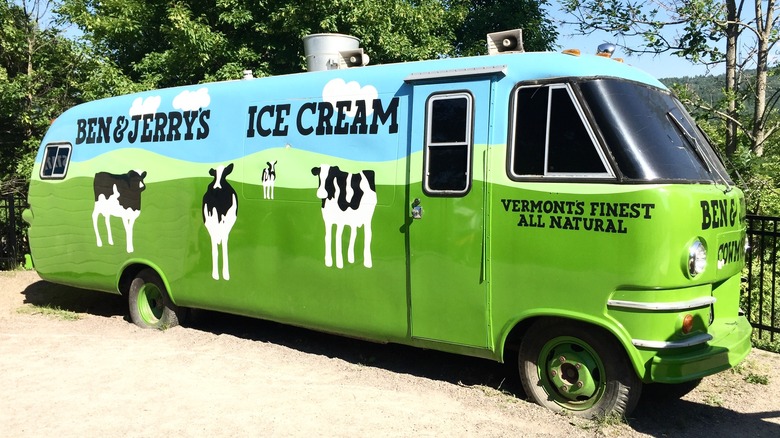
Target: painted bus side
(334, 200)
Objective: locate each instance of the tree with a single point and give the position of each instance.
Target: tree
(698, 27)
(485, 16)
(159, 43)
(37, 75)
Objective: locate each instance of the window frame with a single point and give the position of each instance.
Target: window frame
(609, 171)
(468, 143)
(53, 175)
(629, 150)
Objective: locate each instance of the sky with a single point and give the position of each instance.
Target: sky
(660, 66)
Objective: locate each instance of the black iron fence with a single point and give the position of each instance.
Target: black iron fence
(13, 232)
(759, 298)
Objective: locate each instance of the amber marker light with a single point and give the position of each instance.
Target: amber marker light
(687, 324)
(573, 52)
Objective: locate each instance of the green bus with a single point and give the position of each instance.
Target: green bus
(557, 208)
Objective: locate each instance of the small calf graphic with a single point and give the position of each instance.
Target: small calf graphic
(269, 178)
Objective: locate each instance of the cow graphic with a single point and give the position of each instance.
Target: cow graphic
(118, 195)
(220, 210)
(269, 178)
(348, 199)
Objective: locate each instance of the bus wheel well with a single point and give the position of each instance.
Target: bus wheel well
(128, 275)
(515, 336)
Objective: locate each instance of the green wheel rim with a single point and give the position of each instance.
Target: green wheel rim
(150, 304)
(571, 373)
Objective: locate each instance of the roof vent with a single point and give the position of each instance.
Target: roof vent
(332, 51)
(508, 41)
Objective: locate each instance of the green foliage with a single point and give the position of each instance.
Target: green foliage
(767, 345)
(758, 176)
(762, 281)
(756, 298)
(750, 372)
(485, 16)
(696, 24)
(158, 43)
(54, 312)
(694, 29)
(704, 93)
(37, 80)
(757, 379)
(713, 400)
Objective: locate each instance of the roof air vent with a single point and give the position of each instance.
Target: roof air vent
(332, 51)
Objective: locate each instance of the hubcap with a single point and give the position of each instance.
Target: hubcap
(571, 373)
(150, 304)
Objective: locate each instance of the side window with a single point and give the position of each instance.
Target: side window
(550, 136)
(55, 161)
(448, 144)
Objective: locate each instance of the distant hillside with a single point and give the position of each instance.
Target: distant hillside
(710, 88)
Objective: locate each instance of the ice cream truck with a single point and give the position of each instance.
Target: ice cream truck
(558, 209)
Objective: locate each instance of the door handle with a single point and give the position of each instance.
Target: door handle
(417, 210)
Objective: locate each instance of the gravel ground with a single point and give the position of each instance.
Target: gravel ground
(86, 371)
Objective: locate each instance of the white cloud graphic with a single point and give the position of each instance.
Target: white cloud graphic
(338, 90)
(145, 106)
(192, 100)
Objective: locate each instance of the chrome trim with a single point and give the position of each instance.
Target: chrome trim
(662, 345)
(677, 305)
(456, 73)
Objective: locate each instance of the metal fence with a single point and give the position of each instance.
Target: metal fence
(759, 299)
(13, 232)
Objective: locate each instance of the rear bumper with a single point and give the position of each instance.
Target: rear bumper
(729, 346)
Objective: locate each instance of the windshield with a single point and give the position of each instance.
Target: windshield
(650, 134)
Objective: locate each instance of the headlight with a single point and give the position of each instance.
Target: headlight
(697, 258)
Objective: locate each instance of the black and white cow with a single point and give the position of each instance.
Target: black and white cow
(220, 210)
(348, 199)
(269, 178)
(118, 195)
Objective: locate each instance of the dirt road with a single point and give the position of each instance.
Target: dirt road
(221, 375)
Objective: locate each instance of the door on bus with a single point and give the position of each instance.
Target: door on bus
(447, 195)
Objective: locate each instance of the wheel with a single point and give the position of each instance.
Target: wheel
(150, 305)
(568, 366)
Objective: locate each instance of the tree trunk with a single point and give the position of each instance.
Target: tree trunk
(764, 30)
(732, 35)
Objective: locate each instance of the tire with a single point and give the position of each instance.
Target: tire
(567, 366)
(150, 305)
